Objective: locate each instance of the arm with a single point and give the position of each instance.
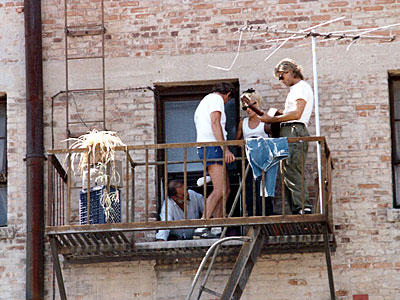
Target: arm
(198, 199)
(267, 128)
(239, 132)
(218, 133)
(289, 116)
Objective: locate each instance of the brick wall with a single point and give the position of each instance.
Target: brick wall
(148, 28)
(171, 40)
(12, 237)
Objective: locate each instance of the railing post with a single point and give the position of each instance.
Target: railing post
(205, 179)
(323, 172)
(303, 164)
(166, 184)
(50, 190)
(224, 175)
(283, 186)
(69, 189)
(127, 183)
(185, 195)
(88, 189)
(263, 194)
(244, 182)
(147, 186)
(133, 194)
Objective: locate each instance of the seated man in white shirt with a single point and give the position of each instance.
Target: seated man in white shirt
(195, 207)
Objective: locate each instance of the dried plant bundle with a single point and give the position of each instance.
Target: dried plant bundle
(100, 153)
(100, 147)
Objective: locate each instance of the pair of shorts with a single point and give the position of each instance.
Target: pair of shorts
(212, 152)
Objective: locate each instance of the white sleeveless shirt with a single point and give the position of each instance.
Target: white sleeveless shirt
(256, 132)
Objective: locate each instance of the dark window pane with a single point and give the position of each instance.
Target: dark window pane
(3, 119)
(396, 98)
(3, 151)
(395, 122)
(3, 205)
(397, 141)
(180, 128)
(397, 184)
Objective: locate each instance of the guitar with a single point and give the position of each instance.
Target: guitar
(251, 106)
(275, 127)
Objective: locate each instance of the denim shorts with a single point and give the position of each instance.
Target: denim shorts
(212, 152)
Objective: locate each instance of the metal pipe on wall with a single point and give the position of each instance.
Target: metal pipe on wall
(34, 151)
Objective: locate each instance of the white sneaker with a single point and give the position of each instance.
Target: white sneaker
(201, 231)
(307, 211)
(200, 181)
(216, 231)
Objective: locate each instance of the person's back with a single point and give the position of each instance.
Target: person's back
(210, 122)
(210, 103)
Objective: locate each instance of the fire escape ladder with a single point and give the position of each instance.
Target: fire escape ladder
(77, 125)
(245, 261)
(244, 264)
(257, 237)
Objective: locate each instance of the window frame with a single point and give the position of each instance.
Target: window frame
(395, 162)
(182, 91)
(3, 175)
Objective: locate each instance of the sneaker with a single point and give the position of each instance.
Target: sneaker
(216, 231)
(201, 231)
(211, 234)
(200, 181)
(307, 211)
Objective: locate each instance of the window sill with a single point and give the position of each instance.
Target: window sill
(7, 233)
(393, 215)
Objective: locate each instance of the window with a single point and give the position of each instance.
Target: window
(176, 104)
(3, 160)
(394, 92)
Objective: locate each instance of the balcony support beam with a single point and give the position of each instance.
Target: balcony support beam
(57, 268)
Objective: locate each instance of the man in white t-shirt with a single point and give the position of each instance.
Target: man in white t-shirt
(294, 120)
(210, 119)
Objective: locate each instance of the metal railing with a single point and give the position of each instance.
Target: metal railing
(141, 187)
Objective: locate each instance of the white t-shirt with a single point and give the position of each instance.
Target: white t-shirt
(301, 90)
(256, 132)
(210, 103)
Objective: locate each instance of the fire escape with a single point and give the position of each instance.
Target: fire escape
(82, 238)
(80, 242)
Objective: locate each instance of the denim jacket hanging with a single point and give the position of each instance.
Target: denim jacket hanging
(264, 154)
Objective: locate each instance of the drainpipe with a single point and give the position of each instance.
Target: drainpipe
(34, 151)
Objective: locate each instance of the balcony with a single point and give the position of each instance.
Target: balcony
(142, 170)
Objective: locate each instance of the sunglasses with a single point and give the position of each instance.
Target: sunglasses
(245, 107)
(281, 75)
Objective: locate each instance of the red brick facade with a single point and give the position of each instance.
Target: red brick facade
(175, 40)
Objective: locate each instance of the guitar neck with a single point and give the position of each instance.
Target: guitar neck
(252, 107)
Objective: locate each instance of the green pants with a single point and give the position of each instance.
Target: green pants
(293, 168)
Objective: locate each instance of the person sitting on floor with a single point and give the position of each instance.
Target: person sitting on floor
(195, 207)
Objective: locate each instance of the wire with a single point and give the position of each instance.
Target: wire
(236, 56)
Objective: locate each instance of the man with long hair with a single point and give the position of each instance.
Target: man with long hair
(294, 120)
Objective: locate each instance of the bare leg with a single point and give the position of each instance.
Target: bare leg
(215, 200)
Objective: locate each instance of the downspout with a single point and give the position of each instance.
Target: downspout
(34, 151)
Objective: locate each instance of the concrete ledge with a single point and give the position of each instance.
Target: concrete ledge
(195, 243)
(393, 215)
